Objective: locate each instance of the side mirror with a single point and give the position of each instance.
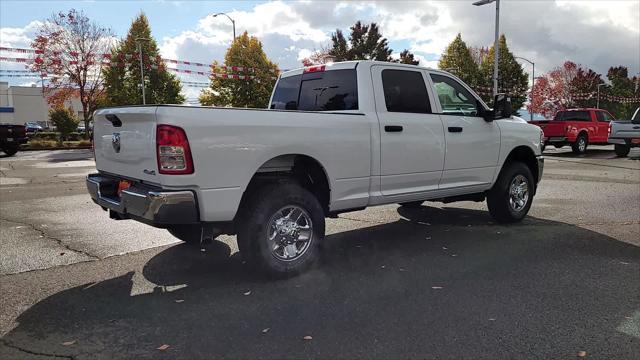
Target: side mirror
(502, 107)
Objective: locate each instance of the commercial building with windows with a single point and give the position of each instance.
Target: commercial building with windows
(22, 104)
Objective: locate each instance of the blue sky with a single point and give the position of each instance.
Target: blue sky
(168, 18)
(596, 34)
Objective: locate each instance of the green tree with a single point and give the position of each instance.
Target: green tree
(457, 59)
(245, 51)
(122, 82)
(408, 58)
(621, 86)
(365, 43)
(65, 121)
(512, 79)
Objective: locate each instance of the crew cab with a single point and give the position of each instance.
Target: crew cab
(576, 127)
(335, 138)
(625, 134)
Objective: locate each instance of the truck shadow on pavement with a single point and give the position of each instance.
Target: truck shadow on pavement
(439, 283)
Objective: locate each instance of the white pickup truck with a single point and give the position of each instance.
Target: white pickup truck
(335, 138)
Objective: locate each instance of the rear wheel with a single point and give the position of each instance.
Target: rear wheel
(580, 146)
(621, 150)
(10, 150)
(281, 229)
(511, 196)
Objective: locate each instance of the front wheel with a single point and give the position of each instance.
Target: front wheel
(621, 150)
(281, 229)
(10, 150)
(511, 196)
(580, 146)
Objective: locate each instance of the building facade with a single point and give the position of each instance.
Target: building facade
(22, 104)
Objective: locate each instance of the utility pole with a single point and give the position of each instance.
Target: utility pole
(233, 23)
(496, 44)
(533, 80)
(139, 43)
(598, 101)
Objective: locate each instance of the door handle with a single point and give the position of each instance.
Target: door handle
(636, 127)
(393, 128)
(455, 129)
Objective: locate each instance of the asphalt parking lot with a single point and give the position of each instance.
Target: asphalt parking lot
(442, 281)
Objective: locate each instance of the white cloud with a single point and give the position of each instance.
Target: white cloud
(19, 37)
(595, 34)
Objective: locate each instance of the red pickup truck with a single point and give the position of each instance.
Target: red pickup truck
(577, 127)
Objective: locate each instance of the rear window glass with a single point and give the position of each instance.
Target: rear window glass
(320, 91)
(405, 91)
(573, 116)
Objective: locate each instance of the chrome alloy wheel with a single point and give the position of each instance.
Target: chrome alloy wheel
(518, 193)
(290, 233)
(582, 144)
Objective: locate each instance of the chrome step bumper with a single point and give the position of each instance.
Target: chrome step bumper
(153, 206)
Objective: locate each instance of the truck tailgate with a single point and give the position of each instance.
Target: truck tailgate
(552, 128)
(124, 140)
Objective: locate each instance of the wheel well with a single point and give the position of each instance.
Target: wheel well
(525, 155)
(305, 170)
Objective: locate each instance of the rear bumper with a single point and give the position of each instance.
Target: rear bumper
(540, 167)
(151, 205)
(14, 140)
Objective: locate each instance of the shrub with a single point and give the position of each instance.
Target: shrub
(65, 121)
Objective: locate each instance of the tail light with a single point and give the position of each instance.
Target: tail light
(312, 69)
(172, 149)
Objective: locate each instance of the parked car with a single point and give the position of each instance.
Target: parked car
(625, 134)
(11, 136)
(576, 127)
(335, 138)
(33, 127)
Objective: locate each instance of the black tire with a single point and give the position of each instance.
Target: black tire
(10, 150)
(188, 233)
(580, 146)
(257, 221)
(412, 204)
(498, 198)
(621, 150)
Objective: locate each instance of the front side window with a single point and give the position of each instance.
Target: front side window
(454, 98)
(604, 117)
(405, 91)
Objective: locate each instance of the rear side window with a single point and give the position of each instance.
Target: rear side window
(405, 91)
(331, 90)
(573, 116)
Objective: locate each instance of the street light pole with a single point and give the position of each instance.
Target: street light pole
(496, 45)
(598, 101)
(533, 79)
(139, 43)
(233, 22)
